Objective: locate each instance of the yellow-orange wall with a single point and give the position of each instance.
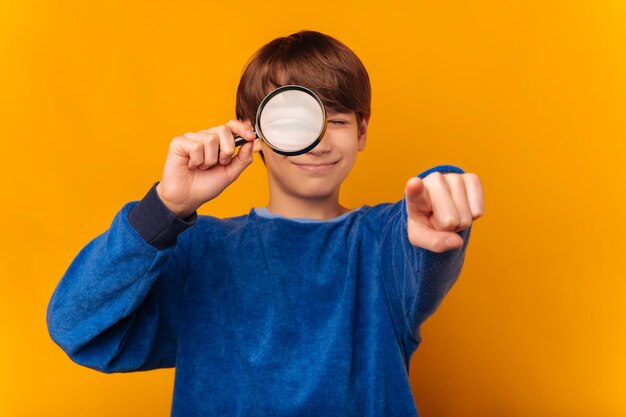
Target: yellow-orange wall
(530, 95)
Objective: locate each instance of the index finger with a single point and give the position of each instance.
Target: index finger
(241, 128)
(237, 127)
(416, 196)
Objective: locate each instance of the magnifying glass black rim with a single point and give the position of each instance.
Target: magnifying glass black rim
(267, 98)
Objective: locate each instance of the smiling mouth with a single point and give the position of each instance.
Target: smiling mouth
(317, 166)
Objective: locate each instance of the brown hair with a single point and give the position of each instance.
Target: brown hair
(313, 60)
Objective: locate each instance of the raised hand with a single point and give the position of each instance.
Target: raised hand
(200, 165)
(440, 205)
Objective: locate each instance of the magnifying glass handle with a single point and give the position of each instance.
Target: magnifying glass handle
(239, 141)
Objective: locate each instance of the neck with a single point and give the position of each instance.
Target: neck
(320, 208)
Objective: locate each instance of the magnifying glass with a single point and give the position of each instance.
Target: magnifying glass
(291, 120)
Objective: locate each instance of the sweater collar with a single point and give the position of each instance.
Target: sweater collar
(263, 212)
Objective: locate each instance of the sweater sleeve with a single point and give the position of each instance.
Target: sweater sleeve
(416, 279)
(118, 306)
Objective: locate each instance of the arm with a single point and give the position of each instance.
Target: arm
(118, 305)
(418, 266)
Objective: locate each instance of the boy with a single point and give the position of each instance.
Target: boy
(303, 307)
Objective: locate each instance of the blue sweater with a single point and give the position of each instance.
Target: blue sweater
(261, 315)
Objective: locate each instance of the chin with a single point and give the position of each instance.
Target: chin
(315, 192)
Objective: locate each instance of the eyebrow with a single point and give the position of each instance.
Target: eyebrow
(330, 112)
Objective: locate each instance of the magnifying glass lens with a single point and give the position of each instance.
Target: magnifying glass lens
(291, 120)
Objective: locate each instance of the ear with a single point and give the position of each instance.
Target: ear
(362, 132)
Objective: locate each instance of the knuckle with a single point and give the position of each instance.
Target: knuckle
(432, 178)
(205, 137)
(177, 141)
(465, 223)
(208, 162)
(449, 223)
(211, 138)
(212, 160)
(471, 176)
(479, 213)
(454, 178)
(473, 179)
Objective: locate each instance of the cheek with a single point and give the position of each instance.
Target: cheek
(272, 159)
(278, 166)
(349, 147)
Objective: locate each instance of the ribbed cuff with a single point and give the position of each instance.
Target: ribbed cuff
(444, 169)
(157, 224)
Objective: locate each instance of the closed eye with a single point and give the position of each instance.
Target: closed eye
(338, 122)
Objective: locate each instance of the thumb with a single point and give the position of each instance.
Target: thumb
(423, 235)
(240, 162)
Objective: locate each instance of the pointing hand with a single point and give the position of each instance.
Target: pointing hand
(439, 205)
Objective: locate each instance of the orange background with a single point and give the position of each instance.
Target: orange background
(531, 96)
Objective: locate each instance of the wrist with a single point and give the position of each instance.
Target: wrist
(179, 210)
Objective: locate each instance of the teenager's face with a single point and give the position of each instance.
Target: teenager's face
(319, 172)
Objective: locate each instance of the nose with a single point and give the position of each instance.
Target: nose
(323, 147)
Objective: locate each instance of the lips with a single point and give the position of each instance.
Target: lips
(317, 166)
